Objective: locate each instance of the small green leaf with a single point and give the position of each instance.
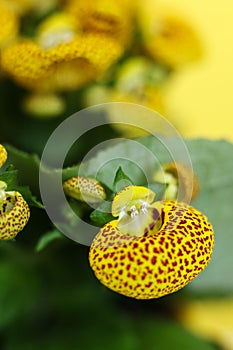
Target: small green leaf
(121, 180)
(102, 215)
(10, 178)
(47, 238)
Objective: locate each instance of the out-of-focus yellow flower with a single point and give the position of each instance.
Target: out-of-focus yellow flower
(136, 82)
(109, 17)
(167, 37)
(67, 60)
(212, 319)
(8, 25)
(21, 7)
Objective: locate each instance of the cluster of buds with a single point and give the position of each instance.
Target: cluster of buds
(14, 210)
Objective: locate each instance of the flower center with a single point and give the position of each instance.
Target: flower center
(139, 218)
(7, 199)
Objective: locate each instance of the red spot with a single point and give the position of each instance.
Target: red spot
(165, 262)
(135, 245)
(170, 270)
(156, 251)
(120, 272)
(169, 255)
(174, 263)
(174, 281)
(180, 253)
(109, 266)
(148, 285)
(153, 260)
(130, 257)
(160, 271)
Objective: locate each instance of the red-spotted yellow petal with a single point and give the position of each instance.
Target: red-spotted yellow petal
(157, 264)
(14, 214)
(85, 189)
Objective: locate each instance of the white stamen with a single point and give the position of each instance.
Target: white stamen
(134, 211)
(144, 207)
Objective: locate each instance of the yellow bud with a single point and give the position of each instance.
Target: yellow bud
(84, 189)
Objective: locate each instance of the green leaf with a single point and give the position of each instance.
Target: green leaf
(121, 180)
(10, 178)
(48, 238)
(213, 164)
(102, 215)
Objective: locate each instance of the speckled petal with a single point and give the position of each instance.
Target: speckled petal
(3, 155)
(152, 266)
(14, 215)
(85, 189)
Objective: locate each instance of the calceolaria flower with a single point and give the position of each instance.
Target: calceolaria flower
(14, 213)
(179, 177)
(167, 37)
(3, 155)
(153, 248)
(84, 189)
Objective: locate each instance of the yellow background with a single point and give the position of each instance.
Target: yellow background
(201, 95)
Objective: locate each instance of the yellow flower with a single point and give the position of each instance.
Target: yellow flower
(8, 25)
(168, 37)
(84, 189)
(108, 17)
(67, 60)
(3, 155)
(14, 213)
(153, 248)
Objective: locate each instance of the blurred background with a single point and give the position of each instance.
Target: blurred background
(50, 298)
